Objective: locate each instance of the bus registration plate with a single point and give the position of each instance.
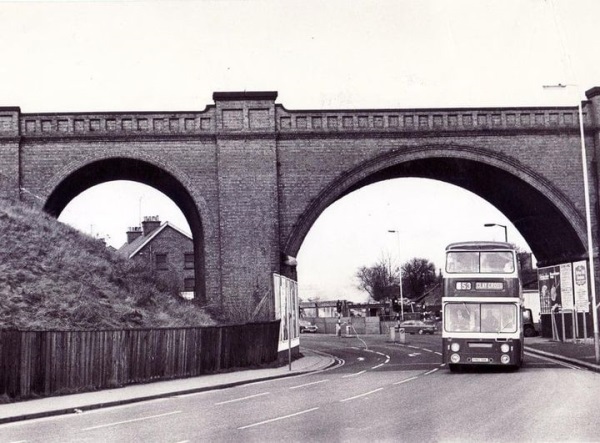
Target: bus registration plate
(480, 360)
(487, 285)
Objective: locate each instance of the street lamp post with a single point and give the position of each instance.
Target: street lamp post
(394, 231)
(488, 225)
(588, 222)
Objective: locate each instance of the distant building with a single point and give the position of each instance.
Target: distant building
(164, 247)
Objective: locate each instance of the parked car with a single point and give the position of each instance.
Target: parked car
(528, 324)
(417, 327)
(306, 326)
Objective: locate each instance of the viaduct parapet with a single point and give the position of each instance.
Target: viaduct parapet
(252, 177)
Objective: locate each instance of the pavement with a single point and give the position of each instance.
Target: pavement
(76, 403)
(581, 354)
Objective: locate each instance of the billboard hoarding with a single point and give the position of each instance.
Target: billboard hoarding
(549, 287)
(287, 309)
(564, 286)
(581, 292)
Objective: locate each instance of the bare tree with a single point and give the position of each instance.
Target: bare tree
(378, 280)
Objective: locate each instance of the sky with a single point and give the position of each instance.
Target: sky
(172, 55)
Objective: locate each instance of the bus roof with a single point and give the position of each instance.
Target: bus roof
(479, 246)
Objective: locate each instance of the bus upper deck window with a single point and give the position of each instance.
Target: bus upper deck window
(497, 262)
(462, 262)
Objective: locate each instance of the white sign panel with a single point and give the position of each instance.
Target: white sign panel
(566, 290)
(580, 278)
(287, 309)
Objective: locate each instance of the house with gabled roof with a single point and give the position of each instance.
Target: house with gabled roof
(165, 248)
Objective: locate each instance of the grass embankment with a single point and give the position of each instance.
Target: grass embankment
(54, 277)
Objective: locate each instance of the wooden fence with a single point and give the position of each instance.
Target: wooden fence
(42, 363)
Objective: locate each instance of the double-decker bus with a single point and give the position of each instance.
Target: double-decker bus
(481, 305)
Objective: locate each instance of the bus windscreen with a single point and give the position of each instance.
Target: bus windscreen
(475, 262)
(480, 317)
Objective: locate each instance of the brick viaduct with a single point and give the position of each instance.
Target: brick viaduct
(251, 177)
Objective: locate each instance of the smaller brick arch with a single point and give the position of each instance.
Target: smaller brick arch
(550, 223)
(79, 176)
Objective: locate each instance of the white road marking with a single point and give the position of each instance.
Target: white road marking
(387, 360)
(414, 354)
(361, 395)
(427, 350)
(378, 366)
(432, 371)
(380, 353)
(309, 384)
(130, 421)
(355, 374)
(558, 362)
(278, 418)
(242, 398)
(438, 353)
(360, 358)
(191, 394)
(411, 346)
(405, 381)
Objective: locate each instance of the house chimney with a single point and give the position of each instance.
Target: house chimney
(133, 233)
(150, 223)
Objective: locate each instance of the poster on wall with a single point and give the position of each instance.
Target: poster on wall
(287, 309)
(580, 278)
(549, 287)
(566, 287)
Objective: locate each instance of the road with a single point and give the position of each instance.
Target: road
(378, 391)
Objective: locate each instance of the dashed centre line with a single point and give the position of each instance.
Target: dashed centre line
(130, 421)
(355, 374)
(309, 384)
(406, 380)
(361, 395)
(242, 398)
(278, 418)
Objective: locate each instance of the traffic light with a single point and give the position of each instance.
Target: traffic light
(338, 306)
(395, 305)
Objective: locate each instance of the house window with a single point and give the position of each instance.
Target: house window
(189, 284)
(161, 261)
(188, 260)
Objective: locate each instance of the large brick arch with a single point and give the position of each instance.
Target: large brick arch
(549, 222)
(79, 176)
(252, 176)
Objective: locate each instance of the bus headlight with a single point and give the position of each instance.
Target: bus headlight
(454, 358)
(455, 347)
(505, 347)
(505, 359)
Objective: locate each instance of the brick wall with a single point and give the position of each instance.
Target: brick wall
(9, 152)
(252, 177)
